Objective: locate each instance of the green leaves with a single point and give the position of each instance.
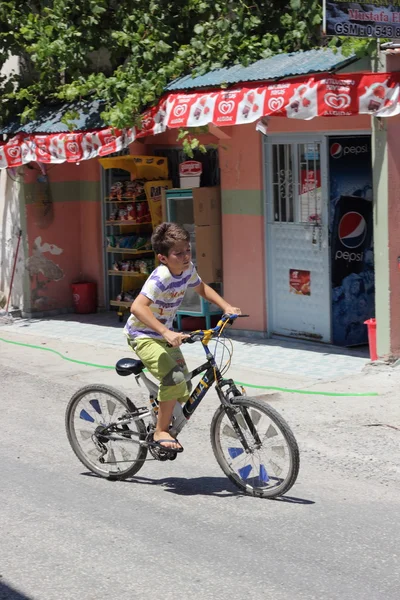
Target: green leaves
(126, 51)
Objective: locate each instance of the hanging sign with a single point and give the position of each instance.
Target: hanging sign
(375, 19)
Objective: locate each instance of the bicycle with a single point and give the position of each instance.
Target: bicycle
(252, 443)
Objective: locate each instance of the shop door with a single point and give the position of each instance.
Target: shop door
(297, 238)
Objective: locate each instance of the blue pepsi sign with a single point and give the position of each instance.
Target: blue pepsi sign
(351, 233)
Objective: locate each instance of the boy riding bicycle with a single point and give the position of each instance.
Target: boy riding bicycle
(149, 328)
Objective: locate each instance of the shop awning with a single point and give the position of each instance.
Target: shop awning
(323, 95)
(305, 97)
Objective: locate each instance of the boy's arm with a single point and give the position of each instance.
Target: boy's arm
(142, 311)
(207, 292)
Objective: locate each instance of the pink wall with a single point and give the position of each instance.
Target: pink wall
(243, 224)
(320, 124)
(51, 272)
(244, 268)
(65, 238)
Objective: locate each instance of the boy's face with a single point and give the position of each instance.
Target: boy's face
(178, 259)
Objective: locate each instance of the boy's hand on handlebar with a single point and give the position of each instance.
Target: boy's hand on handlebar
(174, 338)
(232, 310)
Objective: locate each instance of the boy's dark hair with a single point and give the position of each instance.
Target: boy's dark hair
(166, 235)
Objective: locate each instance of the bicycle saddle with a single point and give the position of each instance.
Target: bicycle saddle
(129, 366)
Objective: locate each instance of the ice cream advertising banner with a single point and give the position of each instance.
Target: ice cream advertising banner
(351, 233)
(376, 19)
(301, 98)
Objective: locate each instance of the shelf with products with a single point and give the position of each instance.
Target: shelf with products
(128, 274)
(131, 210)
(125, 200)
(120, 303)
(126, 223)
(128, 251)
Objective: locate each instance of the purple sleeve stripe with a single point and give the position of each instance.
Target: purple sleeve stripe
(195, 284)
(173, 285)
(181, 283)
(159, 284)
(147, 295)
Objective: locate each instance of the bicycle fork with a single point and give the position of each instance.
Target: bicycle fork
(233, 413)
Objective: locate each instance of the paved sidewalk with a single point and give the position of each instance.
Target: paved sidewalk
(314, 361)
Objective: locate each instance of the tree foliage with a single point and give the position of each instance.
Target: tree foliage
(126, 51)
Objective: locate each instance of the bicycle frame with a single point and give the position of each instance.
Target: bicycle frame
(211, 375)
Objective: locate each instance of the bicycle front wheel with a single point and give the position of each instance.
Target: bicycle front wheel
(270, 465)
(90, 410)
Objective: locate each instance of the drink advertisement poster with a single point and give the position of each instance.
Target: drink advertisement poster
(375, 19)
(351, 232)
(300, 282)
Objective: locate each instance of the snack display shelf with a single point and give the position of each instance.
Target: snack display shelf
(136, 180)
(128, 274)
(128, 251)
(120, 303)
(122, 223)
(124, 200)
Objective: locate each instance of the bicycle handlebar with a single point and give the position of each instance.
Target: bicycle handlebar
(197, 336)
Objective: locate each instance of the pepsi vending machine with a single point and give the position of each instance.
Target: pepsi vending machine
(351, 235)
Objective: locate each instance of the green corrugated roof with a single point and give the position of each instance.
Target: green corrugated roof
(276, 67)
(48, 119)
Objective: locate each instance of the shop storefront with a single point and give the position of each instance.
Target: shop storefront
(319, 233)
(295, 214)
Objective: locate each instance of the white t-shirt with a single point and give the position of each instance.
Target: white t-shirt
(166, 292)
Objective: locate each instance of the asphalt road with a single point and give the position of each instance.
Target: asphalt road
(179, 529)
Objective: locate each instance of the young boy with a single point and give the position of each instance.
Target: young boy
(149, 328)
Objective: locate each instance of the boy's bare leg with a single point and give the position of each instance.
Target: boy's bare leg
(164, 417)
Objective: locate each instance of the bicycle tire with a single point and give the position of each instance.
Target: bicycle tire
(76, 447)
(284, 430)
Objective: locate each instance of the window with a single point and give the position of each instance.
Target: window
(296, 181)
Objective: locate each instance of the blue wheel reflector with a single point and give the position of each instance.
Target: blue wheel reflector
(85, 415)
(96, 406)
(244, 472)
(263, 474)
(235, 452)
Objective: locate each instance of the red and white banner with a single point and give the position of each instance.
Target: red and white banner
(301, 98)
(346, 95)
(63, 147)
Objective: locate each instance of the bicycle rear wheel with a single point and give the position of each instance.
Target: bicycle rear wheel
(91, 409)
(270, 467)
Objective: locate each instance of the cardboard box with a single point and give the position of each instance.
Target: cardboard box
(207, 206)
(209, 253)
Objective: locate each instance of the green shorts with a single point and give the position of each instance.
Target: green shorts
(165, 364)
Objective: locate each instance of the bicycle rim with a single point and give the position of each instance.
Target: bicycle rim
(99, 406)
(271, 467)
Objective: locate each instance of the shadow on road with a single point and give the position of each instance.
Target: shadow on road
(9, 593)
(220, 487)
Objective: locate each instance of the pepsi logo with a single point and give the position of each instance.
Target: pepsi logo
(336, 150)
(352, 230)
